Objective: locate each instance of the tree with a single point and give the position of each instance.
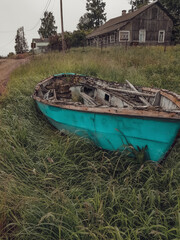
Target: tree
(21, 43)
(75, 39)
(94, 17)
(84, 23)
(78, 39)
(173, 8)
(55, 42)
(10, 55)
(95, 9)
(138, 3)
(47, 28)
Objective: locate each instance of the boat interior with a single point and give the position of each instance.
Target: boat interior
(93, 92)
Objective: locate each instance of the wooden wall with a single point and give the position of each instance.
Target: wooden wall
(153, 20)
(152, 24)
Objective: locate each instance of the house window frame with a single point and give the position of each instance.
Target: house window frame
(124, 40)
(95, 42)
(112, 38)
(164, 33)
(144, 35)
(105, 40)
(91, 42)
(100, 41)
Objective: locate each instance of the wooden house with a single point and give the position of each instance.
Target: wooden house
(149, 25)
(41, 45)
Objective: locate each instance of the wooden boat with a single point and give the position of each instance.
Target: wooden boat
(114, 116)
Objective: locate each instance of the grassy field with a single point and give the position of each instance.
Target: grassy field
(63, 187)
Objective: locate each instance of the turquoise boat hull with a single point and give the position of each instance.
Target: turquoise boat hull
(116, 132)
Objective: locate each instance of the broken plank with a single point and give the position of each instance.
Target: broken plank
(157, 99)
(89, 99)
(141, 98)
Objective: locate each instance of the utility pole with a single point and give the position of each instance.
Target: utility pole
(62, 27)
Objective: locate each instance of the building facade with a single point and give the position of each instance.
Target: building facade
(41, 45)
(149, 25)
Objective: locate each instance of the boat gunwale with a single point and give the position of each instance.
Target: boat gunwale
(114, 111)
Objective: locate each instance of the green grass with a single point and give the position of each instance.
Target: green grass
(63, 187)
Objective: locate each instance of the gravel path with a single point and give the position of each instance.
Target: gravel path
(6, 68)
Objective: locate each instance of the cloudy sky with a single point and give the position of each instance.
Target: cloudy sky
(27, 13)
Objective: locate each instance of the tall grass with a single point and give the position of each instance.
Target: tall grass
(63, 187)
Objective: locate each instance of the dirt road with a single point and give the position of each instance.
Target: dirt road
(6, 68)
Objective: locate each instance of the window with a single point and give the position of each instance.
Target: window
(106, 97)
(112, 38)
(100, 41)
(161, 36)
(104, 40)
(124, 36)
(142, 35)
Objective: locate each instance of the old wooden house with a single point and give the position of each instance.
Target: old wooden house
(41, 45)
(149, 25)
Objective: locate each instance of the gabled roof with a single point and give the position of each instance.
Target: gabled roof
(119, 22)
(40, 40)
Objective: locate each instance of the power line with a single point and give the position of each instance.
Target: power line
(52, 6)
(13, 31)
(6, 44)
(45, 9)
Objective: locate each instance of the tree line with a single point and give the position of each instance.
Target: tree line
(93, 18)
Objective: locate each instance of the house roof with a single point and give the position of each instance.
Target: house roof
(40, 40)
(119, 22)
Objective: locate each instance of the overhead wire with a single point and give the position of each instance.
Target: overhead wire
(45, 9)
(6, 44)
(11, 31)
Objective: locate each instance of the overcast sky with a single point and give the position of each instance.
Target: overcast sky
(27, 13)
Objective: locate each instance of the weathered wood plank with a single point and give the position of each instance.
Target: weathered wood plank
(141, 98)
(131, 92)
(89, 99)
(174, 99)
(157, 99)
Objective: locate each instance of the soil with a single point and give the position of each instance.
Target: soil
(6, 68)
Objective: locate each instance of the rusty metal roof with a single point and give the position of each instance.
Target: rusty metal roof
(119, 22)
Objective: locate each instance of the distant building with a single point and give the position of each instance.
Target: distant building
(41, 45)
(149, 25)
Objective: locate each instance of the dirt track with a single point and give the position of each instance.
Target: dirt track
(6, 68)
